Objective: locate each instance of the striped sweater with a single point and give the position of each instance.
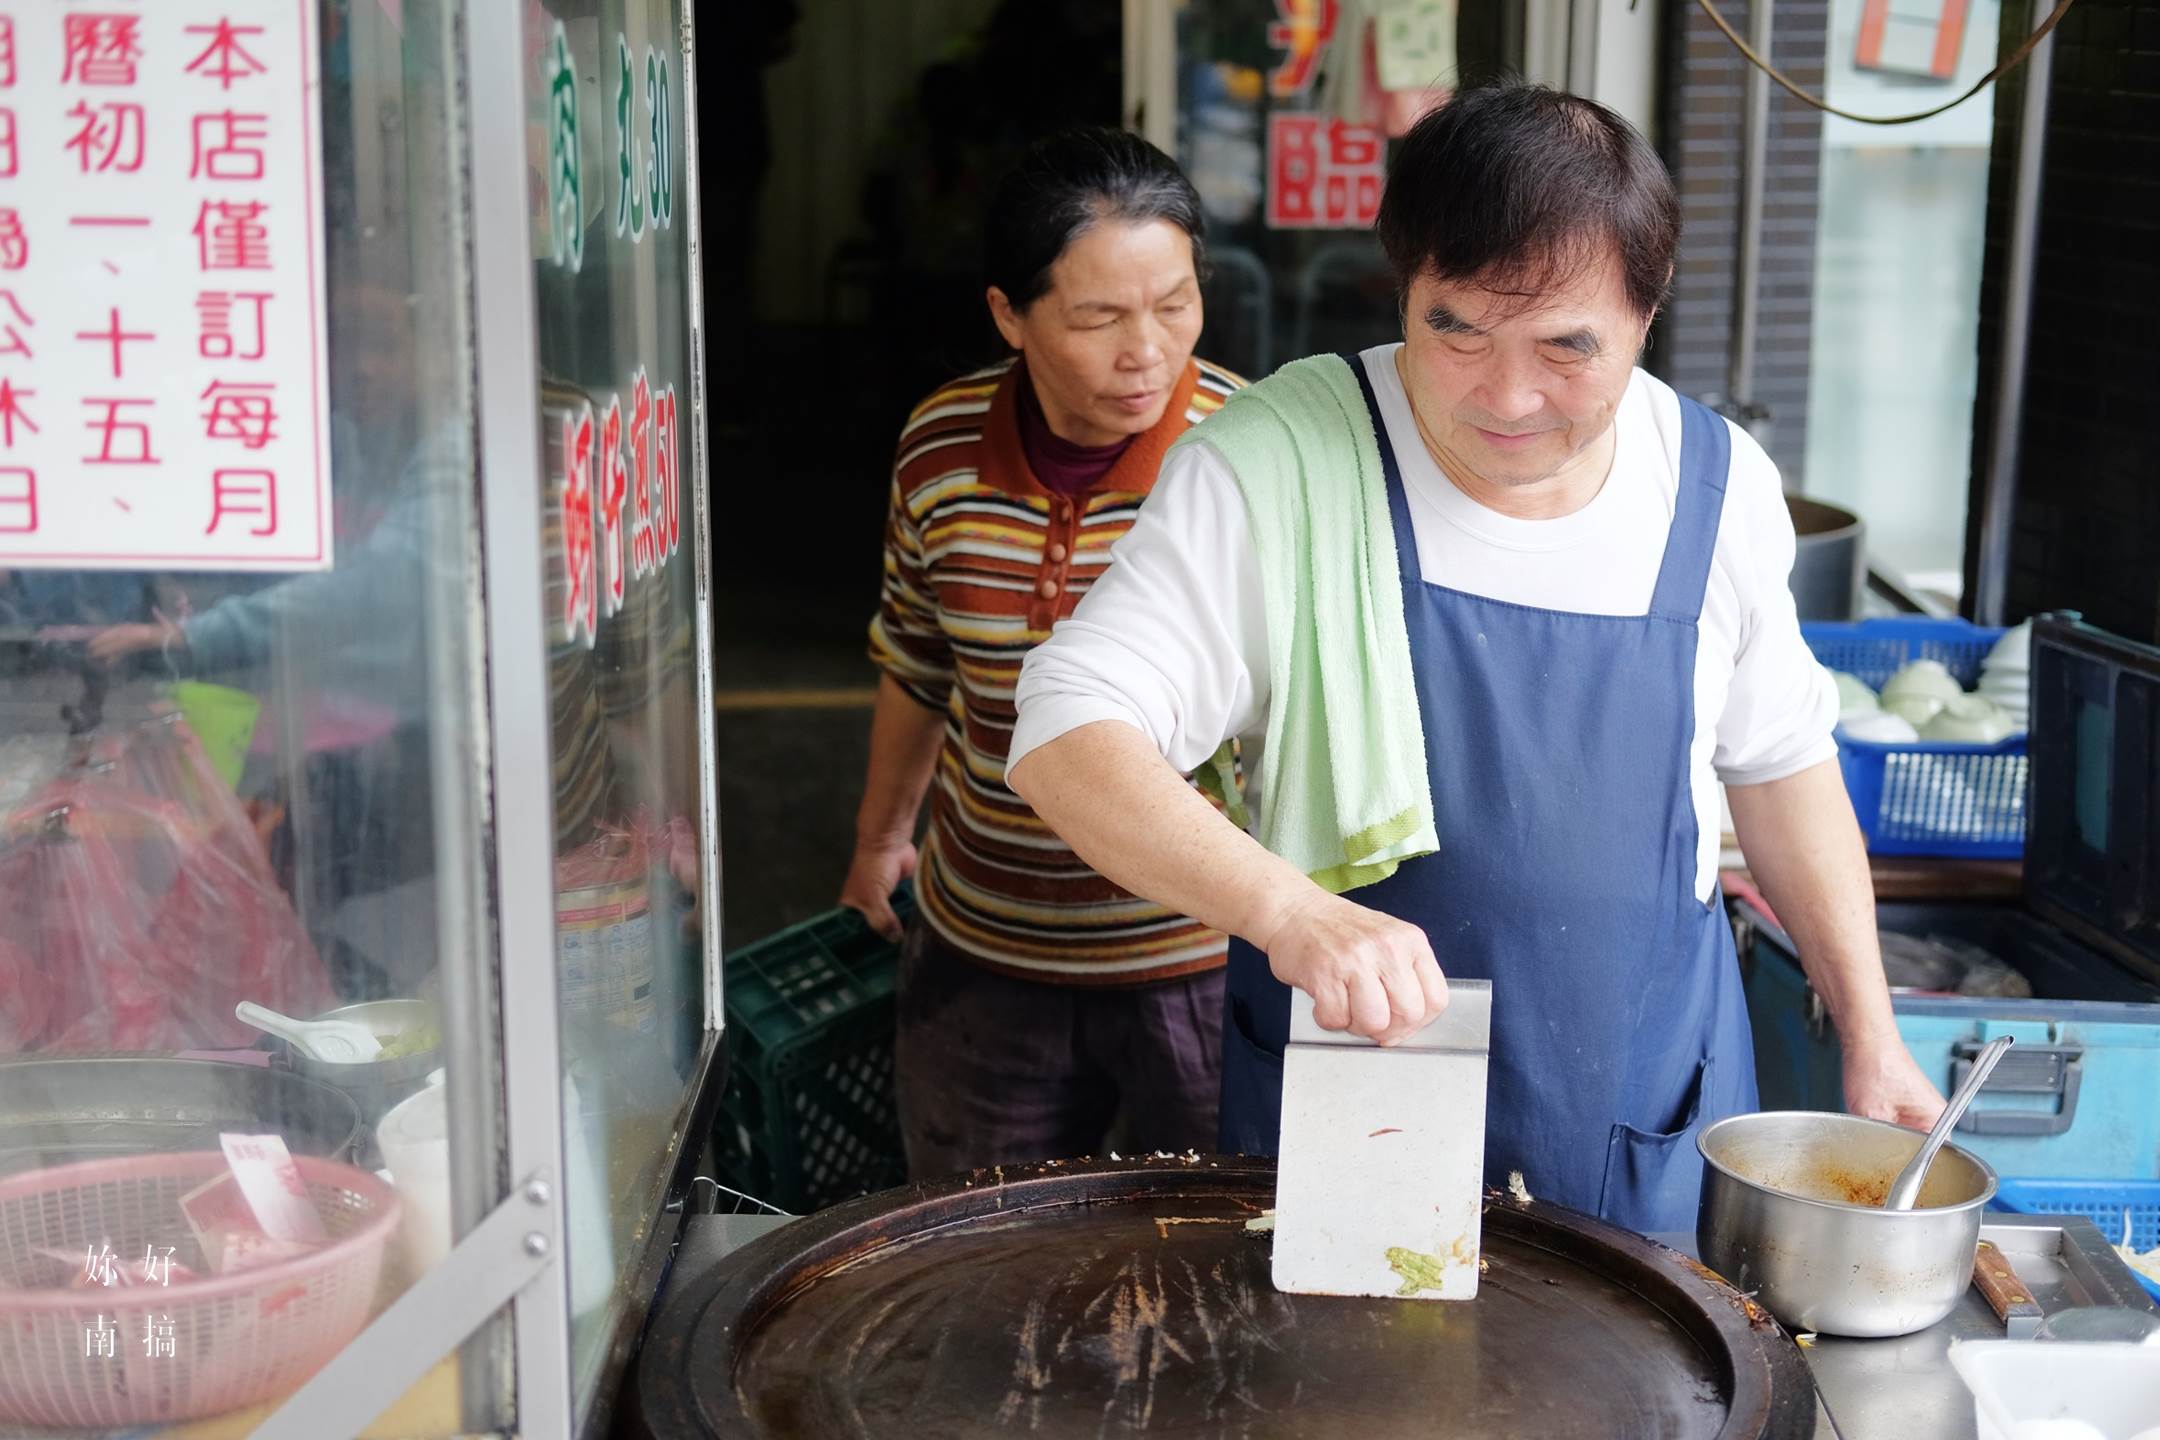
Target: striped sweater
(980, 561)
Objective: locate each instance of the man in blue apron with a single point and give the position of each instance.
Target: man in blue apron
(1494, 614)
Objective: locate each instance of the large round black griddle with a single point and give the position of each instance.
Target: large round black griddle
(1108, 1298)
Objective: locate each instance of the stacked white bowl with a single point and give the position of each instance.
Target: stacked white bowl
(2006, 674)
(1923, 700)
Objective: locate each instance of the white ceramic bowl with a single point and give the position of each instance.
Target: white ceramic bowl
(2013, 651)
(1922, 677)
(2013, 702)
(1915, 710)
(1881, 728)
(1967, 720)
(1853, 694)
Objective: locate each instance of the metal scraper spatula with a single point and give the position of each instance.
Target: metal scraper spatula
(1379, 1183)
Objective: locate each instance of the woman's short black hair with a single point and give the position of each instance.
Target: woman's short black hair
(1518, 186)
(1067, 183)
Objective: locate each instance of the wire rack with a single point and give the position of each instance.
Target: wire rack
(726, 1200)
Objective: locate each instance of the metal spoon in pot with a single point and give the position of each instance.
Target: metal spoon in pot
(1906, 1188)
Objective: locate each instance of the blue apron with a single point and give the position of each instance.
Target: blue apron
(1558, 746)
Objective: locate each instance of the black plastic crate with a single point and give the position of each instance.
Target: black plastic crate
(808, 1117)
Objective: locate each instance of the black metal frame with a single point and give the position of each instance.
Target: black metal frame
(2112, 905)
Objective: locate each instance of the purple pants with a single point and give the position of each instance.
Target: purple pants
(993, 1070)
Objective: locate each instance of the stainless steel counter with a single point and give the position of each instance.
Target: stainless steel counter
(1904, 1389)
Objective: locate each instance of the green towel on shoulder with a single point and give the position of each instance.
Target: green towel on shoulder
(1346, 794)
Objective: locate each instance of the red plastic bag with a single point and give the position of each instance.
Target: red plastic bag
(136, 898)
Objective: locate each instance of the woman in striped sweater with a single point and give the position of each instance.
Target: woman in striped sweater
(1037, 999)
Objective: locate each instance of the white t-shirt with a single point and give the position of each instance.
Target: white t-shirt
(1173, 638)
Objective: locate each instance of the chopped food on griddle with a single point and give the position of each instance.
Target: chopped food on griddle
(1419, 1271)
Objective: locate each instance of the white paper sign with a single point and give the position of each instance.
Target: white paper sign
(163, 386)
(274, 1189)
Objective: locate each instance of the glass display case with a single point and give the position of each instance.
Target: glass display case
(353, 628)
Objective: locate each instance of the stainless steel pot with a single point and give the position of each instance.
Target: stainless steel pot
(1791, 1213)
(55, 1110)
(1829, 572)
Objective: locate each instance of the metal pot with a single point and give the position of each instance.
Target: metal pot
(55, 1110)
(376, 1085)
(1829, 562)
(1791, 1213)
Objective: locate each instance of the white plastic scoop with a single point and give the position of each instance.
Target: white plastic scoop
(1906, 1188)
(336, 1042)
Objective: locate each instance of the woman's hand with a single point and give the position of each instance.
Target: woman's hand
(876, 871)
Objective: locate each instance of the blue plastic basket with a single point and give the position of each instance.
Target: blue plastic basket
(1874, 650)
(1961, 801)
(2107, 1203)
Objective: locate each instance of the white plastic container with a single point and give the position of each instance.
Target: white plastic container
(2014, 1383)
(415, 1142)
(585, 1200)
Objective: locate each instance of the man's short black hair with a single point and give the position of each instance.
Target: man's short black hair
(1517, 187)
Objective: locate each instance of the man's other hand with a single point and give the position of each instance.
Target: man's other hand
(1883, 1082)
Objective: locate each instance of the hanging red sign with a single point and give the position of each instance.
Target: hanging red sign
(1323, 174)
(1908, 38)
(1302, 35)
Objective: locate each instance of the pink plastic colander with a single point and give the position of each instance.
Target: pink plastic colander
(184, 1350)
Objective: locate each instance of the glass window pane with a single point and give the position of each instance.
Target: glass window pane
(1289, 164)
(612, 260)
(1897, 284)
(234, 691)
